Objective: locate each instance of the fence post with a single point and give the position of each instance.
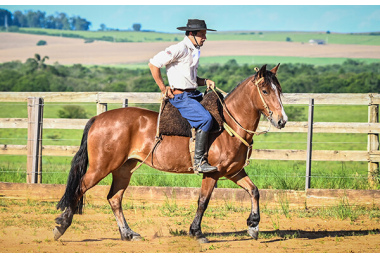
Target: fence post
(309, 143)
(100, 108)
(34, 146)
(125, 103)
(373, 143)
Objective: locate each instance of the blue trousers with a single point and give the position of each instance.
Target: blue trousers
(188, 105)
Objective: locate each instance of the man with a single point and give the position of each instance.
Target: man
(181, 61)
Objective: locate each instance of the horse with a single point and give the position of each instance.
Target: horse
(116, 140)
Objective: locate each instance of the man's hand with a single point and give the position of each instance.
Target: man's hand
(210, 84)
(168, 93)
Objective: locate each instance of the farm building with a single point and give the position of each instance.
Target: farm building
(316, 41)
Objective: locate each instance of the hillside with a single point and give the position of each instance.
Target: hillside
(16, 46)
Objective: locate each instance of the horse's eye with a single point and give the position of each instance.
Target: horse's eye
(265, 92)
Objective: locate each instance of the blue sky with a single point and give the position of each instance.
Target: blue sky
(165, 18)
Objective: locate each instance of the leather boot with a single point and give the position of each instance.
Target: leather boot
(200, 160)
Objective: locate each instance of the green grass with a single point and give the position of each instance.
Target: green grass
(117, 36)
(274, 60)
(252, 60)
(333, 38)
(264, 173)
(303, 37)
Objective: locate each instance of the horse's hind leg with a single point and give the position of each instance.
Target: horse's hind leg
(89, 180)
(121, 178)
(253, 220)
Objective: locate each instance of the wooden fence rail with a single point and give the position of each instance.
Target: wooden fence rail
(372, 128)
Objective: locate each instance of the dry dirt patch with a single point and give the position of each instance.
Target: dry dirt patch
(26, 227)
(14, 46)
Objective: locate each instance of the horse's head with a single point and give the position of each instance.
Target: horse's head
(268, 99)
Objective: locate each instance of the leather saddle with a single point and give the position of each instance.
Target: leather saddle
(172, 122)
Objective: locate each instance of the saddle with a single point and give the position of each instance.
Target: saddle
(172, 122)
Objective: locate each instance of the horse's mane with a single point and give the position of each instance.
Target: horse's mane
(270, 77)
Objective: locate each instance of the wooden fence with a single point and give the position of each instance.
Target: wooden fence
(372, 127)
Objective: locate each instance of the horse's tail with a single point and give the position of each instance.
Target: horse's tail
(78, 169)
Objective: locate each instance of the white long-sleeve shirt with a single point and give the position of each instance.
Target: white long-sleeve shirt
(181, 61)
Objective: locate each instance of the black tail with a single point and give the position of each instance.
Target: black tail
(78, 169)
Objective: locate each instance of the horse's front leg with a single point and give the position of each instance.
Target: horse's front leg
(253, 220)
(208, 184)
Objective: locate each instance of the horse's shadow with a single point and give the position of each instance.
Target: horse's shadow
(270, 236)
(280, 235)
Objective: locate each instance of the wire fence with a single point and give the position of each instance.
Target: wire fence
(51, 110)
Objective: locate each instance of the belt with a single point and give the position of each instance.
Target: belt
(180, 91)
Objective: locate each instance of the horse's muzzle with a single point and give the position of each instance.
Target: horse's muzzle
(281, 123)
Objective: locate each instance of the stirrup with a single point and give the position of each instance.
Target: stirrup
(198, 168)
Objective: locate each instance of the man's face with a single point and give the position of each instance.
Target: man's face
(200, 36)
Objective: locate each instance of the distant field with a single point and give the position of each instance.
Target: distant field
(252, 60)
(68, 51)
(278, 59)
(130, 36)
(298, 37)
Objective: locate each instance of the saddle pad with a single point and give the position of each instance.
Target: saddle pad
(172, 123)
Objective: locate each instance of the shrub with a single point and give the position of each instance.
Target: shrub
(296, 113)
(88, 40)
(41, 42)
(72, 111)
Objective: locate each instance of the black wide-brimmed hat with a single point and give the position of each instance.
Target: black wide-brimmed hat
(195, 25)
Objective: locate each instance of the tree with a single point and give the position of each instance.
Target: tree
(19, 19)
(79, 24)
(5, 18)
(103, 27)
(36, 19)
(50, 22)
(36, 63)
(136, 27)
(62, 22)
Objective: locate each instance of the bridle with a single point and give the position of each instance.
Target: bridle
(230, 130)
(270, 113)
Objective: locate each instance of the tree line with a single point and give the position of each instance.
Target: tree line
(35, 75)
(38, 19)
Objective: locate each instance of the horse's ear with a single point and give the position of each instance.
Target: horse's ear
(262, 71)
(274, 70)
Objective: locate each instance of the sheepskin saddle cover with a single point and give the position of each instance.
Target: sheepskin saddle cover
(172, 122)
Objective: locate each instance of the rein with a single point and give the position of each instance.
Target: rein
(230, 130)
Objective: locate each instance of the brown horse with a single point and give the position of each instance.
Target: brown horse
(115, 141)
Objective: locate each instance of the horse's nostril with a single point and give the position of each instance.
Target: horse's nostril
(281, 123)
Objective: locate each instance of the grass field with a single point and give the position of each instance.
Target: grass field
(241, 60)
(265, 173)
(131, 36)
(279, 59)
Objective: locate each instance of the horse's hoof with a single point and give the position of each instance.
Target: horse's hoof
(203, 240)
(57, 233)
(137, 238)
(254, 232)
(132, 237)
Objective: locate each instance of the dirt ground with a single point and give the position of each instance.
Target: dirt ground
(26, 227)
(14, 46)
